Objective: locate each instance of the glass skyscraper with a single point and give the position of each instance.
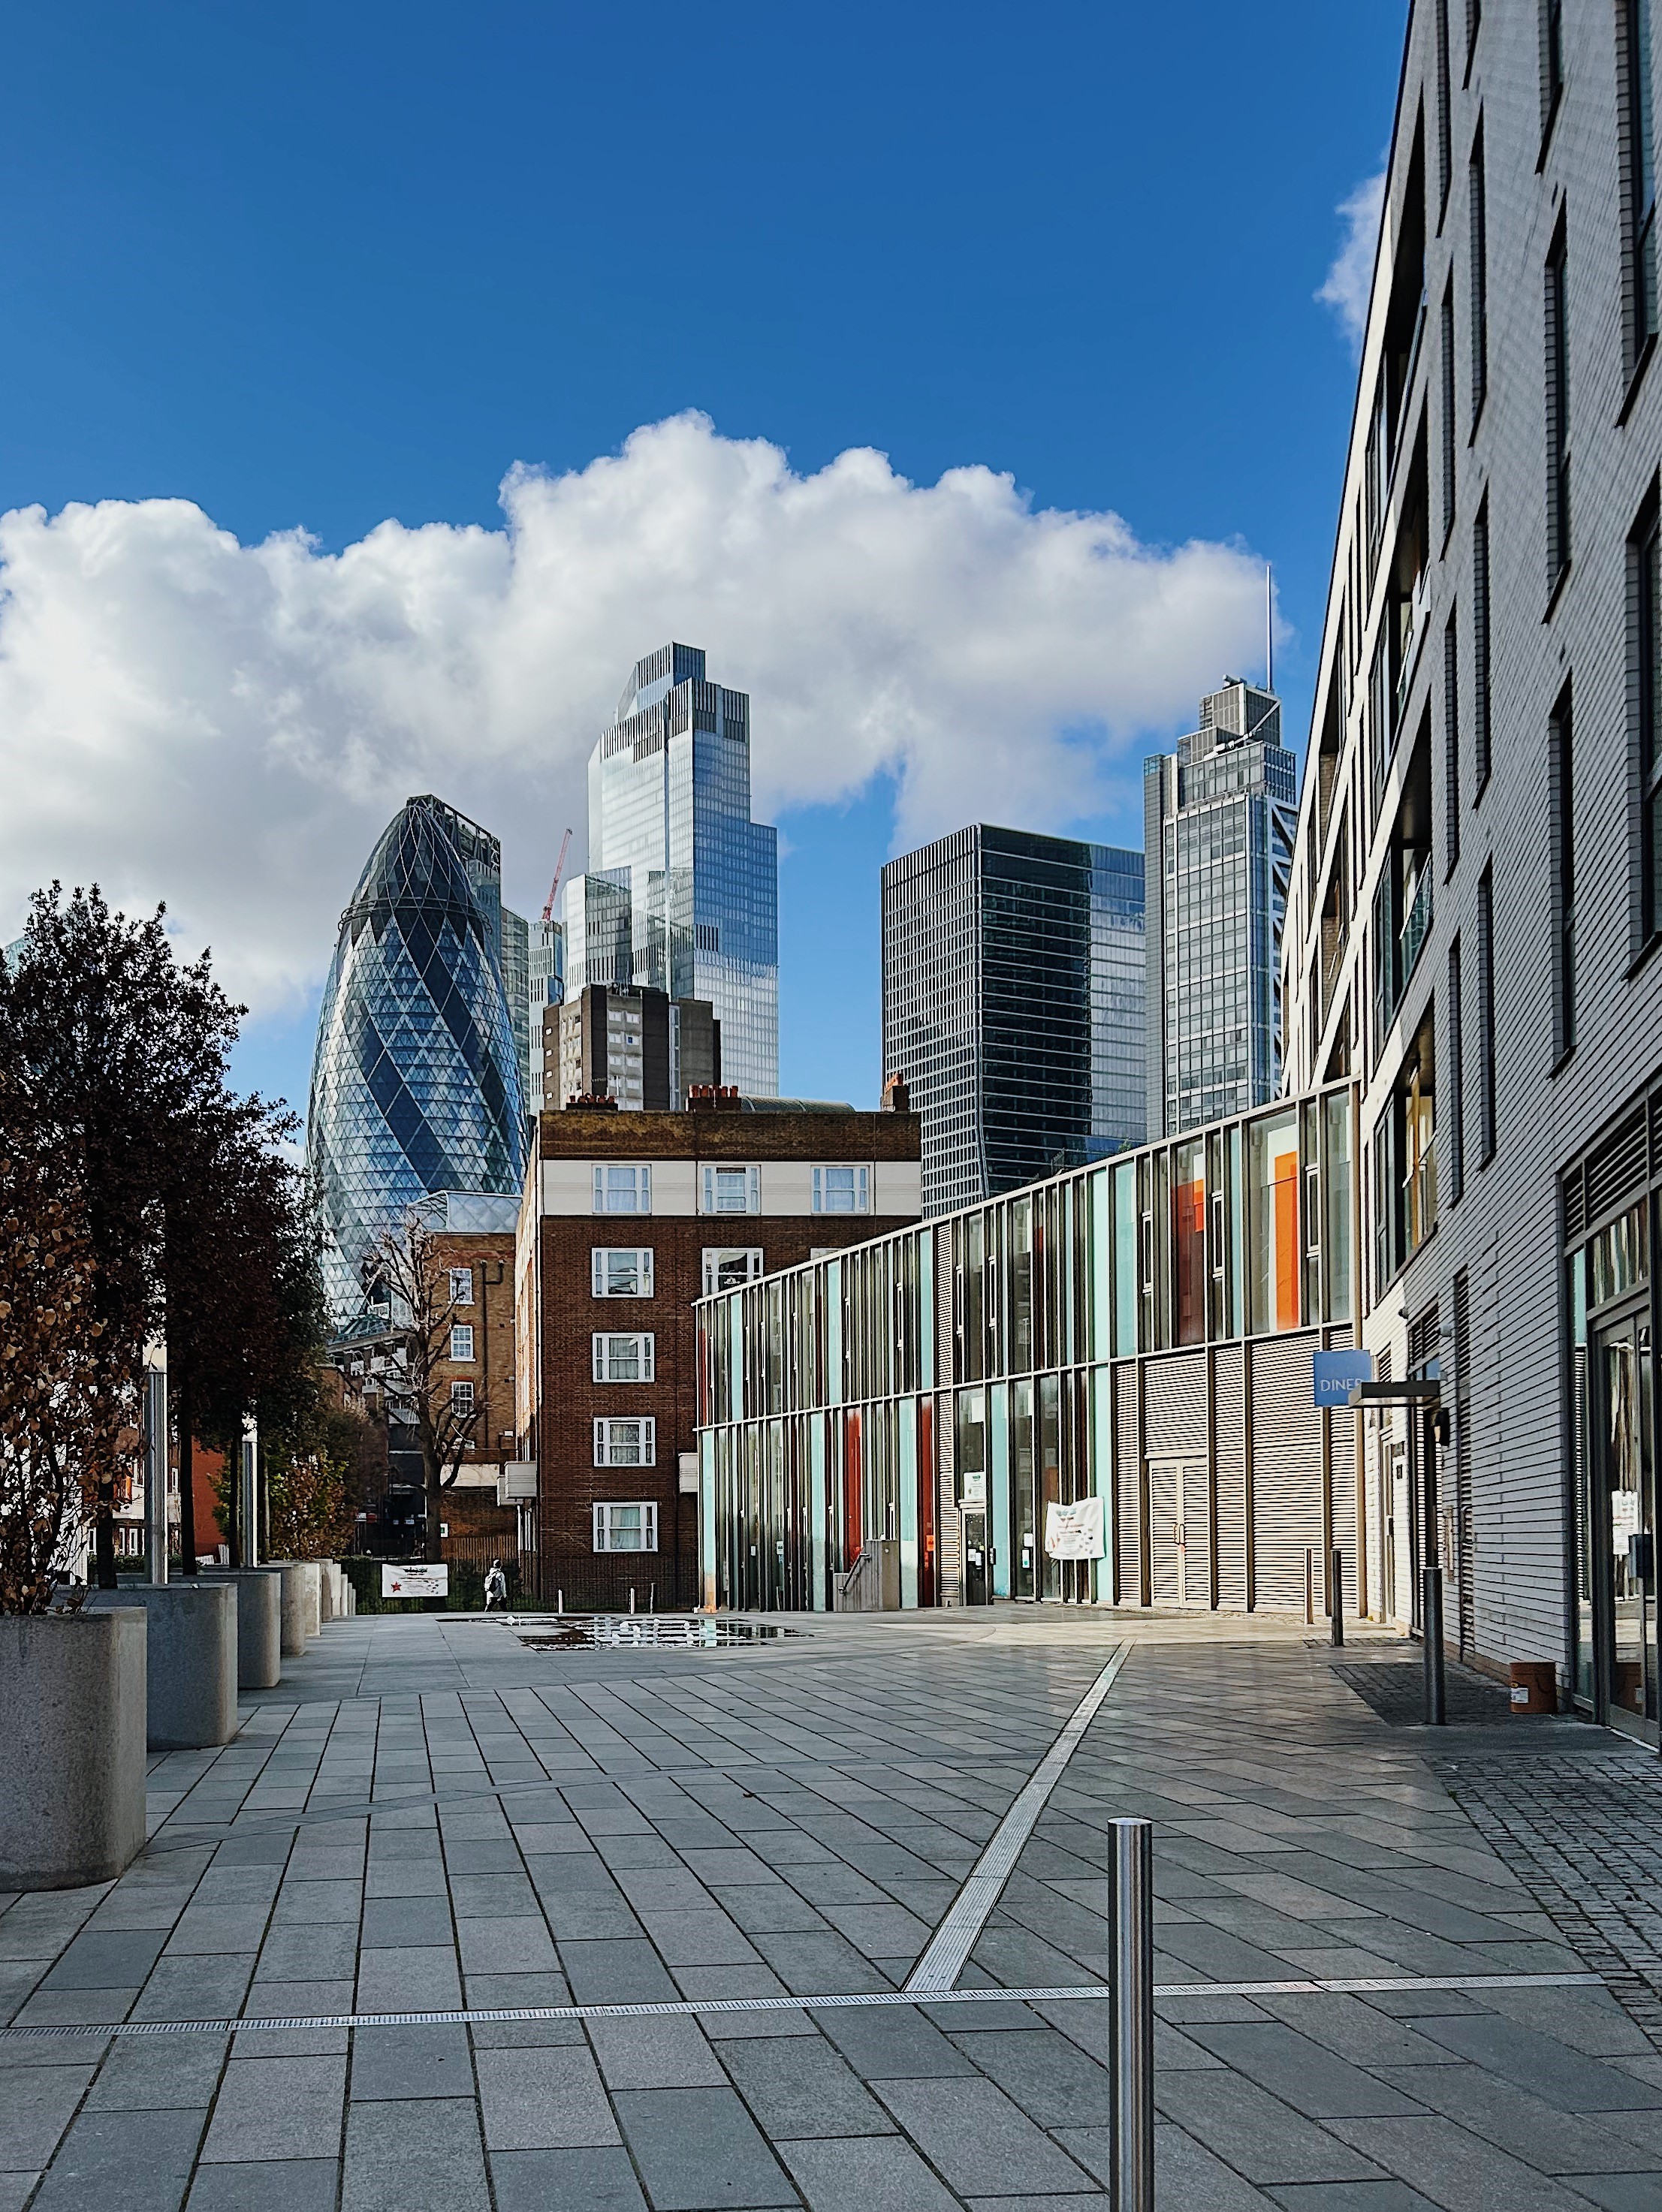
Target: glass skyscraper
(682, 891)
(416, 1078)
(1013, 1005)
(1219, 818)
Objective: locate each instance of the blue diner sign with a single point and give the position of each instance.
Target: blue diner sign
(1338, 1375)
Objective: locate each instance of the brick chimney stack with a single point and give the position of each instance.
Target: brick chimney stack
(897, 1098)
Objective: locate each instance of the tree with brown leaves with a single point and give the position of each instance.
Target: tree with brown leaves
(59, 1423)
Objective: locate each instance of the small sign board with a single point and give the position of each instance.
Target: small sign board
(1339, 1377)
(415, 1579)
(973, 1489)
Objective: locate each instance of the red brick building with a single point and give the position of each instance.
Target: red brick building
(627, 1219)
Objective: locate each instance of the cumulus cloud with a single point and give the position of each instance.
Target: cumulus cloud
(228, 726)
(1346, 286)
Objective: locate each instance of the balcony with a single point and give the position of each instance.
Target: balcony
(1415, 609)
(1416, 924)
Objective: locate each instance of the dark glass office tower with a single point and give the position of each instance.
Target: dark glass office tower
(1013, 1005)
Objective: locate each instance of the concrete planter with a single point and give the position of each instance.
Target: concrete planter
(258, 1624)
(72, 1779)
(192, 1669)
(294, 1572)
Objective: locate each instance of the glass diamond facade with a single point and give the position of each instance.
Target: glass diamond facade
(415, 1080)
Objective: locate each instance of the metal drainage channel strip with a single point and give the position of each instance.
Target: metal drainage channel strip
(1067, 1993)
(939, 1968)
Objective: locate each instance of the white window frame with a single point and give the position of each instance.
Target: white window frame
(461, 1340)
(709, 1187)
(461, 1286)
(640, 1188)
(641, 1255)
(644, 1442)
(861, 1191)
(645, 1357)
(461, 1397)
(716, 1253)
(604, 1509)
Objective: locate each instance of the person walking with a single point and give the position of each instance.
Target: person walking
(496, 1588)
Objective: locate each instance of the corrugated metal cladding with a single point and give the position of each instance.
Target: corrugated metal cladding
(1229, 1471)
(1174, 1406)
(1286, 1484)
(1195, 1447)
(1343, 1480)
(1128, 1490)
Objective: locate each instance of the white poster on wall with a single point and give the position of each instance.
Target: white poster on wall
(1074, 1532)
(415, 1579)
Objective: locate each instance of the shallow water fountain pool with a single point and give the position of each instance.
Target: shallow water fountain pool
(643, 1632)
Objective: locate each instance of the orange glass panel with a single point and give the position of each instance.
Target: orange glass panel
(1284, 1200)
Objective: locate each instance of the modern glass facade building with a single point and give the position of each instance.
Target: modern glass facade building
(546, 990)
(1013, 1005)
(1133, 1338)
(516, 987)
(416, 1076)
(1219, 816)
(682, 892)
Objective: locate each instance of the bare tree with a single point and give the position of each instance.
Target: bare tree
(60, 1423)
(409, 1274)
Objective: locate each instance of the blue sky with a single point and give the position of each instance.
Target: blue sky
(321, 266)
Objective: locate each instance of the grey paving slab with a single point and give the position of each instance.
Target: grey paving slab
(143, 2074)
(424, 2156)
(699, 2148)
(1456, 2168)
(140, 2160)
(879, 2174)
(1549, 2069)
(1261, 2138)
(655, 2054)
(1312, 2079)
(977, 2138)
(1552, 2141)
(1053, 2081)
(276, 2108)
(566, 2181)
(543, 2099)
(797, 2087)
(404, 2063)
(37, 2103)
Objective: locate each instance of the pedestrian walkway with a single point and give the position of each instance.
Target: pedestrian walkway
(429, 1818)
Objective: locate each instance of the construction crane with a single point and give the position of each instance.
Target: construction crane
(553, 889)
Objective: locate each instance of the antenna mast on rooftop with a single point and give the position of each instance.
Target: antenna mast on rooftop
(1269, 628)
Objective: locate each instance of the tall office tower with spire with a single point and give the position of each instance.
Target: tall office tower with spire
(1218, 817)
(682, 890)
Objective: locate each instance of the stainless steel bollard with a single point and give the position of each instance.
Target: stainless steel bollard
(1133, 2009)
(1432, 1623)
(1338, 1596)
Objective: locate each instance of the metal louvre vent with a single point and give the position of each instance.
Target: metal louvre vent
(1615, 1171)
(1229, 1475)
(1286, 1472)
(1174, 1406)
(1422, 1333)
(1127, 1489)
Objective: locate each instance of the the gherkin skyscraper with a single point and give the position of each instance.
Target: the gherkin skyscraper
(415, 1080)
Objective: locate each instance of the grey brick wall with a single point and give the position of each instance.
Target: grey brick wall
(1504, 1229)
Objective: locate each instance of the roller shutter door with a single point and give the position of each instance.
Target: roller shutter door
(1342, 1464)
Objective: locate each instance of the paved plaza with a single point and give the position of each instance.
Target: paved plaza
(428, 1817)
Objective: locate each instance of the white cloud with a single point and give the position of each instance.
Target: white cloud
(228, 726)
(1346, 286)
